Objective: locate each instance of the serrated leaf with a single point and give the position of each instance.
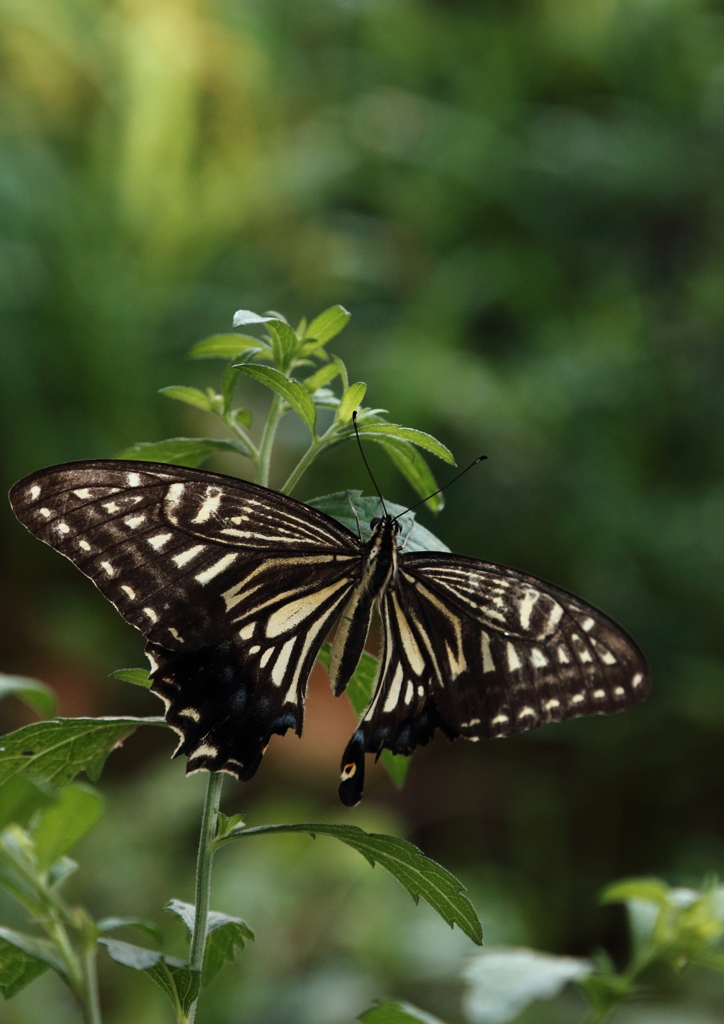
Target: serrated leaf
(351, 400)
(17, 969)
(294, 393)
(397, 1013)
(245, 316)
(226, 346)
(285, 343)
(175, 977)
(324, 375)
(224, 934)
(504, 981)
(420, 875)
(32, 692)
(75, 811)
(59, 749)
(181, 451)
(409, 434)
(190, 396)
(340, 504)
(359, 693)
(327, 325)
(415, 470)
(137, 676)
(36, 949)
(20, 798)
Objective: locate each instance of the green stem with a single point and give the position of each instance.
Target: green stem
(267, 442)
(204, 863)
(302, 466)
(91, 1002)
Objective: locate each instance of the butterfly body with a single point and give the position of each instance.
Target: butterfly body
(235, 588)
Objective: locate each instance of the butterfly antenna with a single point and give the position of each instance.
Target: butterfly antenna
(480, 458)
(364, 459)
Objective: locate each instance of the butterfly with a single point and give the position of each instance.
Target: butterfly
(236, 586)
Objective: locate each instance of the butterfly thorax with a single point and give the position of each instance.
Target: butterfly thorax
(378, 570)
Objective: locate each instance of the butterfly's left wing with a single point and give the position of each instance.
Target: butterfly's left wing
(480, 650)
(233, 585)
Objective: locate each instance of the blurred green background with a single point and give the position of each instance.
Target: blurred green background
(522, 204)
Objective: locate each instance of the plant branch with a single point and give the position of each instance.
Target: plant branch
(204, 863)
(267, 442)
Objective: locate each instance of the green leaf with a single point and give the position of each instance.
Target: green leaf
(224, 935)
(242, 417)
(397, 1013)
(109, 924)
(17, 968)
(294, 393)
(224, 824)
(409, 434)
(327, 325)
(285, 343)
(322, 377)
(34, 948)
(650, 889)
(504, 981)
(245, 316)
(359, 693)
(351, 400)
(342, 372)
(32, 692)
(415, 470)
(226, 346)
(339, 505)
(137, 676)
(20, 798)
(191, 396)
(181, 451)
(416, 872)
(58, 750)
(178, 980)
(75, 811)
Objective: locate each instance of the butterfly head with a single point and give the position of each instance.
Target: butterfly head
(381, 524)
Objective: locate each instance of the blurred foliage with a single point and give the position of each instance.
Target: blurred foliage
(522, 205)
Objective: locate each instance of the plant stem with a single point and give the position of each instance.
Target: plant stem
(267, 442)
(204, 862)
(304, 463)
(91, 1002)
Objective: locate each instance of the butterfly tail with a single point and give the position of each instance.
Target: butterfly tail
(352, 782)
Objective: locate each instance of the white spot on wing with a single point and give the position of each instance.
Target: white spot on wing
(133, 479)
(525, 607)
(563, 656)
(537, 658)
(619, 691)
(216, 568)
(35, 492)
(62, 528)
(204, 750)
(129, 591)
(409, 692)
(488, 663)
(246, 632)
(191, 713)
(577, 698)
(82, 492)
(282, 663)
(500, 720)
(110, 571)
(136, 521)
(151, 614)
(209, 506)
(84, 544)
(527, 712)
(175, 634)
(550, 704)
(394, 693)
(266, 656)
(189, 553)
(110, 506)
(588, 625)
(45, 512)
(637, 679)
(599, 694)
(514, 661)
(159, 540)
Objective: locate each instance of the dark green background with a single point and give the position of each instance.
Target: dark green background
(522, 205)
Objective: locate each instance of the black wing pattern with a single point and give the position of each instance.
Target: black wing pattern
(234, 586)
(480, 650)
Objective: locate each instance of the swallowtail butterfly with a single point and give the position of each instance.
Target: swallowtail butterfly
(236, 586)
